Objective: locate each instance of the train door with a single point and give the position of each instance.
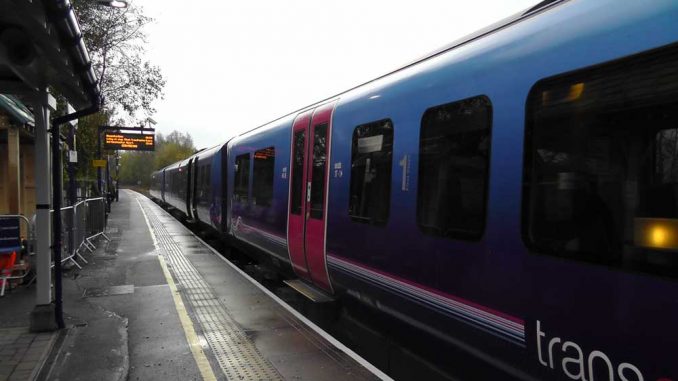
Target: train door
(189, 185)
(195, 191)
(307, 217)
(162, 186)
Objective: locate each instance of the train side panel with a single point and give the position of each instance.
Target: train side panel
(258, 189)
(477, 285)
(207, 193)
(155, 189)
(460, 187)
(176, 186)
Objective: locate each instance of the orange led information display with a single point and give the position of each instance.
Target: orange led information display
(129, 142)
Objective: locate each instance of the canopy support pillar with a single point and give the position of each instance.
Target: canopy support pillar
(43, 315)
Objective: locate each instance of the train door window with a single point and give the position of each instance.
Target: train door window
(208, 180)
(200, 183)
(204, 183)
(371, 161)
(318, 171)
(454, 155)
(297, 171)
(181, 182)
(601, 164)
(262, 180)
(242, 178)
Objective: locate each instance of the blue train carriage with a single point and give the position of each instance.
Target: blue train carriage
(175, 185)
(204, 197)
(513, 196)
(157, 185)
(517, 195)
(257, 178)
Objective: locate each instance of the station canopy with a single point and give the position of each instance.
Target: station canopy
(41, 45)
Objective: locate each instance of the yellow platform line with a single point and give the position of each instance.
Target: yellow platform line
(186, 322)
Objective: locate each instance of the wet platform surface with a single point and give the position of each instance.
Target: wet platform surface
(209, 312)
(156, 303)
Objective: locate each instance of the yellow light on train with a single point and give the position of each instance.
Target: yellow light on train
(659, 236)
(656, 233)
(576, 91)
(564, 94)
(545, 97)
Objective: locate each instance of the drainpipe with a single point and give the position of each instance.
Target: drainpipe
(56, 204)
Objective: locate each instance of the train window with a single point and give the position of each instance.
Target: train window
(262, 180)
(204, 184)
(371, 161)
(182, 183)
(298, 172)
(208, 180)
(318, 170)
(601, 164)
(454, 154)
(242, 178)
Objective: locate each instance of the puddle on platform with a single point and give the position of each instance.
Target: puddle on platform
(108, 291)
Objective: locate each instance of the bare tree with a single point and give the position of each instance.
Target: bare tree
(116, 41)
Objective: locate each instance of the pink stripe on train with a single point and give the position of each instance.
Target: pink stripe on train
(500, 319)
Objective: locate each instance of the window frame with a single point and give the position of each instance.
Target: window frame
(528, 170)
(363, 219)
(318, 178)
(297, 173)
(477, 236)
(255, 192)
(237, 196)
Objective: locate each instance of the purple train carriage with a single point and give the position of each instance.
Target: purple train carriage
(513, 195)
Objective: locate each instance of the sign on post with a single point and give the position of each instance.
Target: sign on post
(129, 141)
(98, 163)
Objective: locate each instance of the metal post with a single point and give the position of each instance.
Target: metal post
(56, 222)
(72, 191)
(72, 194)
(99, 187)
(108, 182)
(57, 184)
(42, 317)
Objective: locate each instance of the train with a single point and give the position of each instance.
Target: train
(513, 194)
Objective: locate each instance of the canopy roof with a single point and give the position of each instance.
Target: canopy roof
(41, 46)
(16, 110)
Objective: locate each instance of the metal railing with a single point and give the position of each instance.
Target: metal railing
(67, 227)
(81, 224)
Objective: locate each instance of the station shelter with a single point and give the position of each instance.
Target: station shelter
(17, 158)
(42, 51)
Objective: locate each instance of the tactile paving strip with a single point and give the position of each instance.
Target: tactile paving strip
(237, 356)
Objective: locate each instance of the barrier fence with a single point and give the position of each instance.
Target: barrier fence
(80, 225)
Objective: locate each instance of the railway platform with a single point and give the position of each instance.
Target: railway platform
(157, 303)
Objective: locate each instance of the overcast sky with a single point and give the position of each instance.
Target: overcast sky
(233, 65)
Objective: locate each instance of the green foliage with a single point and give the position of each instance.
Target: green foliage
(86, 142)
(115, 40)
(136, 167)
(172, 148)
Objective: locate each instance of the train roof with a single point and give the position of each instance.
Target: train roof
(206, 151)
(502, 24)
